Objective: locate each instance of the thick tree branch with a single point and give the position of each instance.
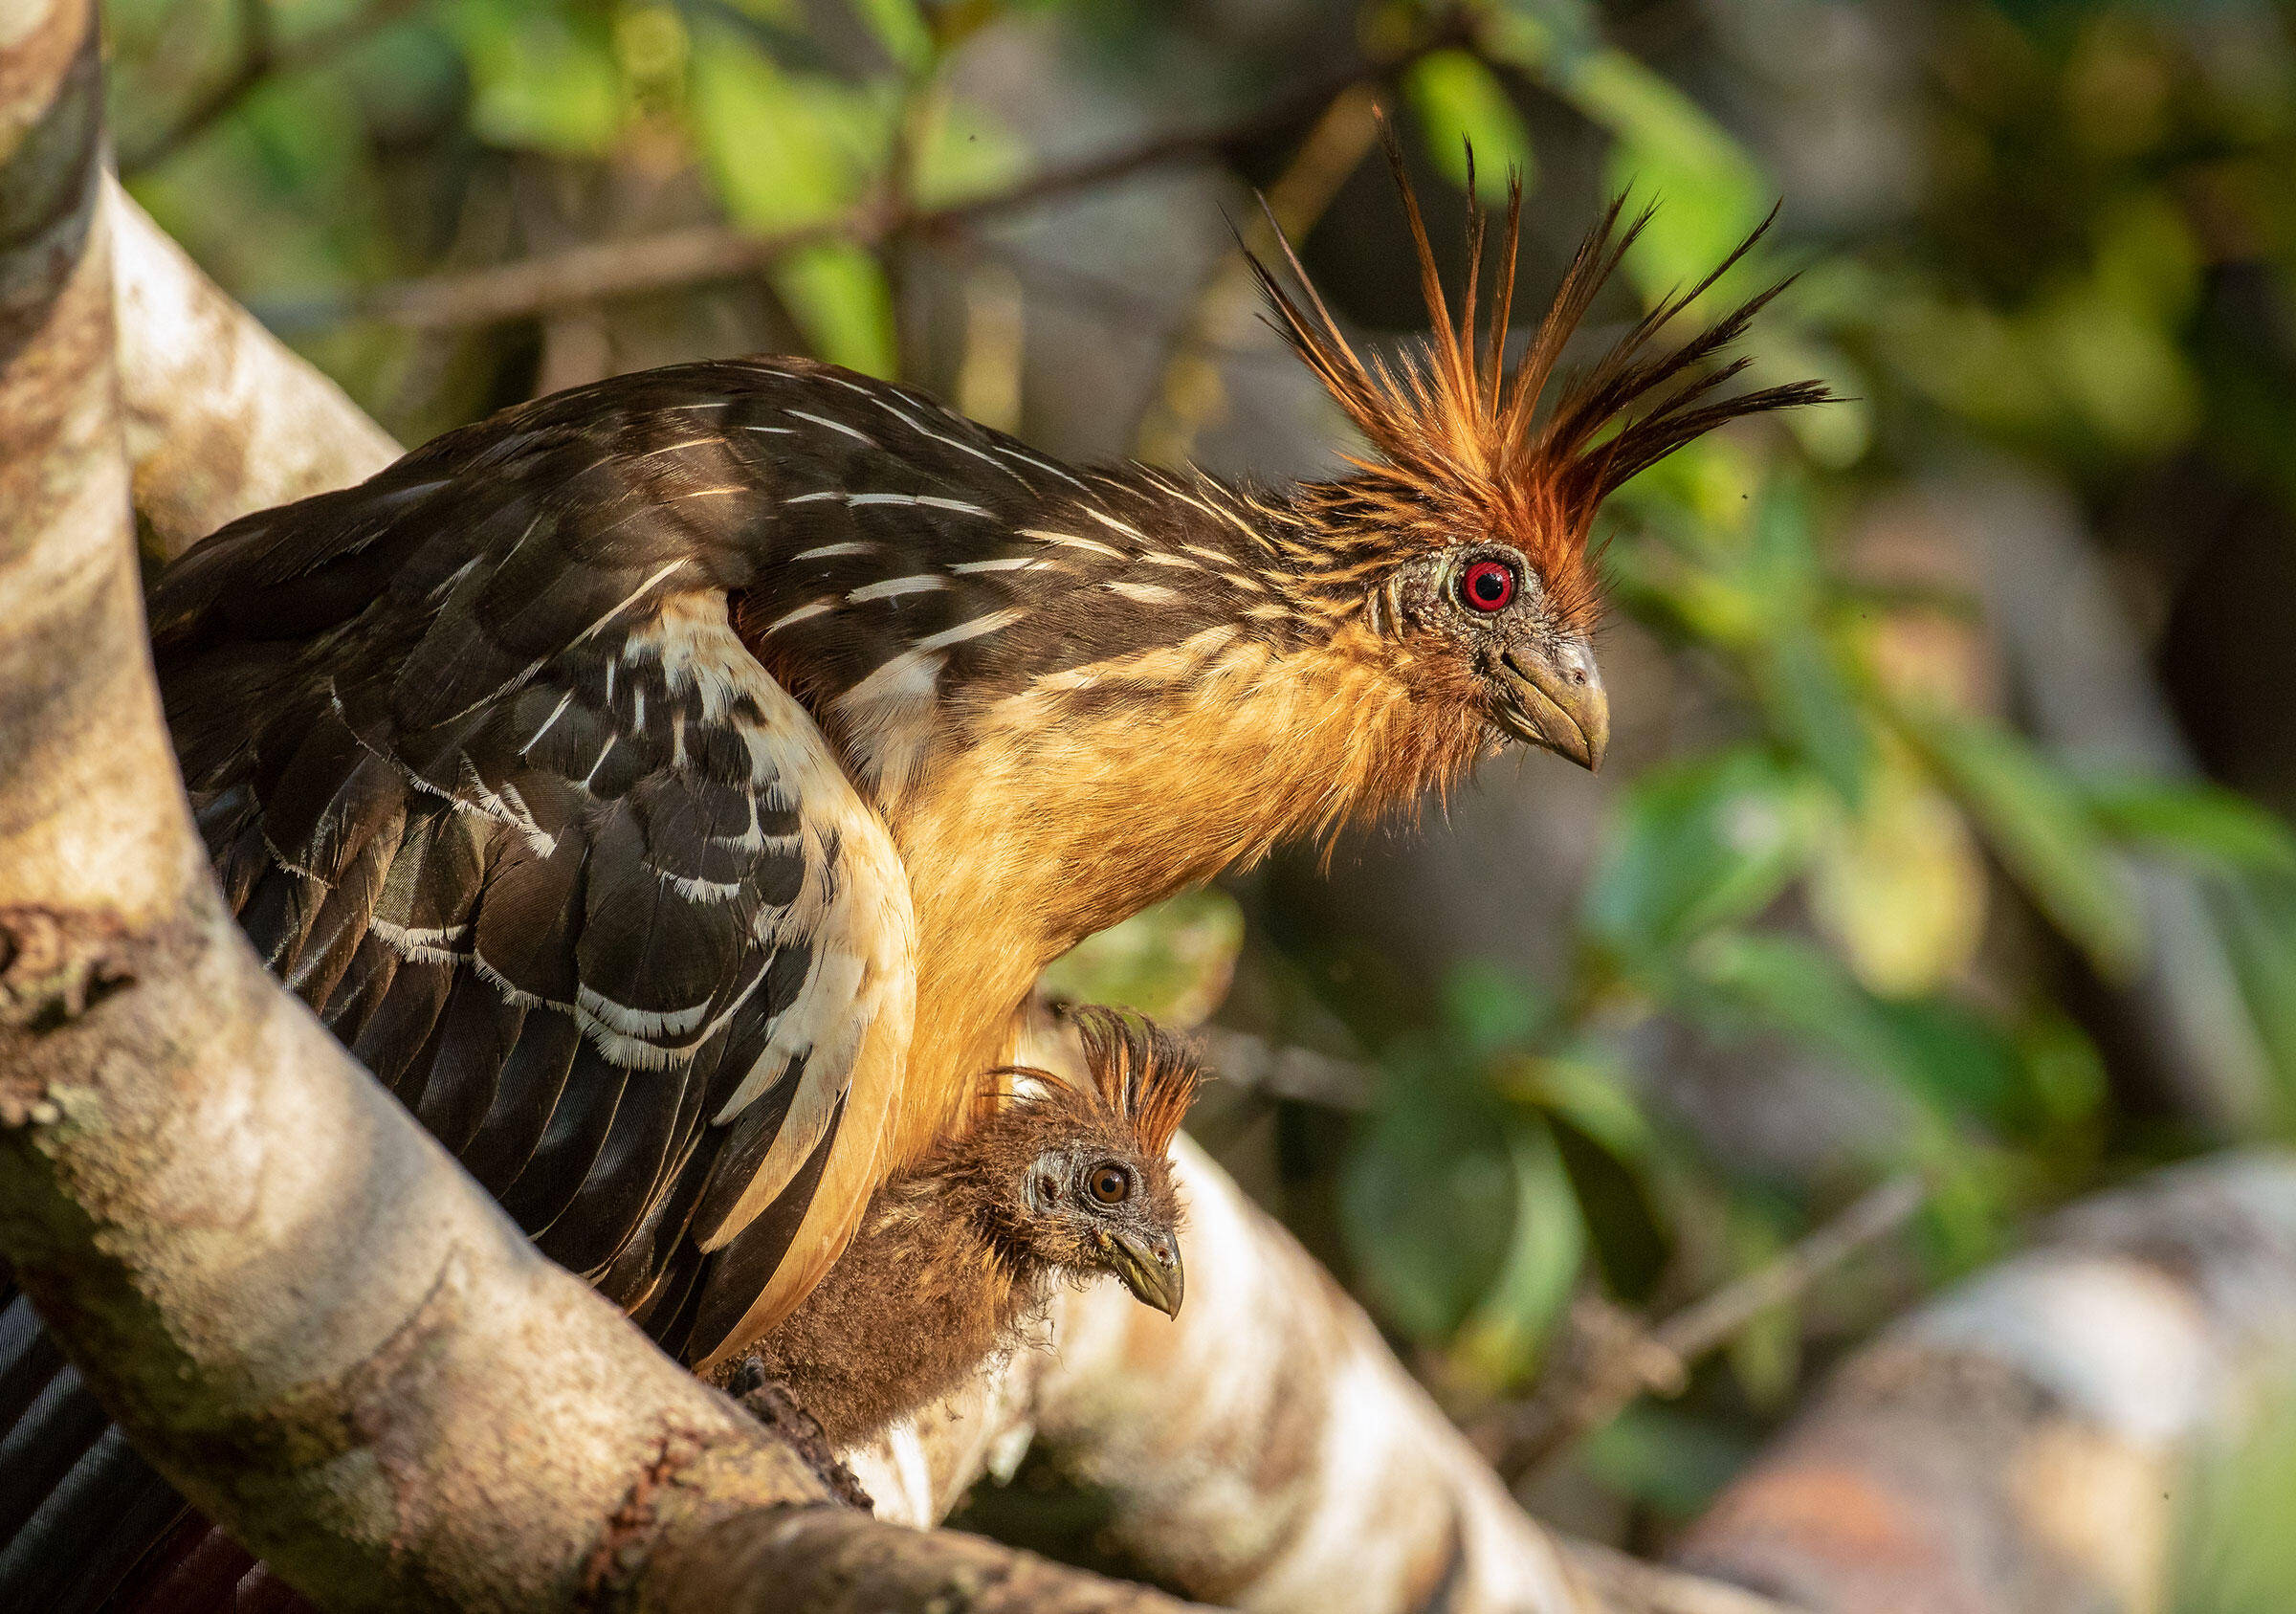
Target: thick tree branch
(221, 416)
(2022, 1445)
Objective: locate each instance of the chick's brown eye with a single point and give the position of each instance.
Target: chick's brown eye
(1110, 1184)
(1488, 585)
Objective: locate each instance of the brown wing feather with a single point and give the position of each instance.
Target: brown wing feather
(493, 783)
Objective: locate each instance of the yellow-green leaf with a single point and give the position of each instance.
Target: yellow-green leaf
(838, 294)
(1459, 103)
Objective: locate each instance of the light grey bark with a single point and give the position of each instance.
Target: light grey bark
(221, 417)
(2024, 1443)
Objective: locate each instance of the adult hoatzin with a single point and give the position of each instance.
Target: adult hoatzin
(673, 787)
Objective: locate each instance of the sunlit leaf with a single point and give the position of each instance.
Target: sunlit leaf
(1172, 962)
(2035, 818)
(1765, 1355)
(1709, 191)
(1590, 1093)
(542, 76)
(786, 149)
(963, 153)
(1900, 887)
(900, 27)
(1501, 1339)
(838, 294)
(1460, 102)
(2235, 1549)
(2119, 367)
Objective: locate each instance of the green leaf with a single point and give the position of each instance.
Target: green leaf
(1490, 1009)
(542, 76)
(2035, 818)
(1172, 962)
(841, 300)
(1765, 1353)
(1589, 1090)
(1500, 1342)
(900, 27)
(1783, 984)
(2234, 1545)
(1710, 192)
(1696, 847)
(1427, 1197)
(2258, 917)
(786, 149)
(1459, 103)
(1665, 1458)
(1808, 700)
(963, 153)
(2199, 820)
(1952, 1060)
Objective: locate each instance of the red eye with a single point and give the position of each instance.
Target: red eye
(1488, 585)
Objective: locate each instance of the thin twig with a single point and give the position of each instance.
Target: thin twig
(719, 252)
(1618, 1359)
(1250, 1064)
(1702, 1325)
(260, 60)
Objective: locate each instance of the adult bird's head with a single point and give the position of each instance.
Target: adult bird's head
(1082, 1170)
(1462, 538)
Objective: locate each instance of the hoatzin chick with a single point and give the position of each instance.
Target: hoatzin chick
(673, 787)
(1060, 1182)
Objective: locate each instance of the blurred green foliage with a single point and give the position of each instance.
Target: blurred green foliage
(1862, 858)
(2237, 1551)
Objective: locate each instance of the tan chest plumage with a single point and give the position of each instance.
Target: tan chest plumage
(1053, 821)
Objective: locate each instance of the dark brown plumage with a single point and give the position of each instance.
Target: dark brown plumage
(954, 1256)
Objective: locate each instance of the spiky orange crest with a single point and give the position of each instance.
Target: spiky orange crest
(1460, 447)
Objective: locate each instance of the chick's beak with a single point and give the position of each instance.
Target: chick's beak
(1555, 699)
(1149, 1264)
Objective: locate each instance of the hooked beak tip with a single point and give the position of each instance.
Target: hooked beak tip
(1565, 711)
(1150, 1269)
